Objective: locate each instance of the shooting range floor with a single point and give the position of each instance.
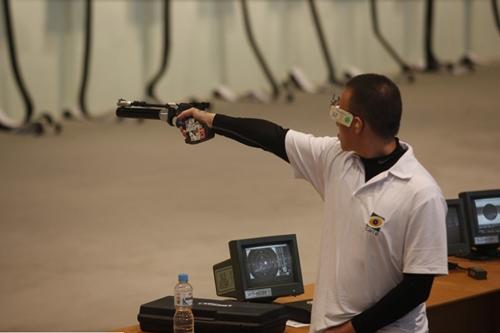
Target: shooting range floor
(101, 219)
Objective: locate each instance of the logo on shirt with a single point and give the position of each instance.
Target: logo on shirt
(374, 224)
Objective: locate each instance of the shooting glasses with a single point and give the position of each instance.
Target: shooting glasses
(340, 116)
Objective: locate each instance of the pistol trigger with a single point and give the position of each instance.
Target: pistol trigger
(180, 123)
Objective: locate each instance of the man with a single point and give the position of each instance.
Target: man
(384, 236)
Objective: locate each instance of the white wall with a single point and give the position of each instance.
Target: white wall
(209, 46)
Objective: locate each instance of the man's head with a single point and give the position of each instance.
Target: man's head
(375, 102)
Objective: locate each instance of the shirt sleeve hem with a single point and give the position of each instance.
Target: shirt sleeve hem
(296, 172)
(436, 270)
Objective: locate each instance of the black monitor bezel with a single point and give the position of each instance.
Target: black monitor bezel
(463, 248)
(468, 200)
(236, 249)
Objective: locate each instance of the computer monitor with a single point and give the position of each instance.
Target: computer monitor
(456, 229)
(260, 269)
(482, 210)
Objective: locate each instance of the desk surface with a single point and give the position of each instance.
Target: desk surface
(454, 287)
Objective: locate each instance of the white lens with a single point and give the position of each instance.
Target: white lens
(341, 116)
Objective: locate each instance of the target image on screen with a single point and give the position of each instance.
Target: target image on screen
(488, 211)
(268, 263)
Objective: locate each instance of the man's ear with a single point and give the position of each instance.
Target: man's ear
(357, 125)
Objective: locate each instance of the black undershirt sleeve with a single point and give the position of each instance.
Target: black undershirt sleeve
(413, 290)
(253, 132)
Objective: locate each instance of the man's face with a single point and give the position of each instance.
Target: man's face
(346, 134)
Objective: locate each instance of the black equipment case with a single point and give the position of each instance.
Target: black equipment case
(216, 316)
(300, 311)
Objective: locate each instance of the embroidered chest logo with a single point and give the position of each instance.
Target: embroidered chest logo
(374, 224)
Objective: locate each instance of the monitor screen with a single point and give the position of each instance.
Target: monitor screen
(456, 229)
(260, 269)
(482, 209)
(268, 264)
(488, 212)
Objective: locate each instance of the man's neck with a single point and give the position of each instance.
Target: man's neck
(376, 147)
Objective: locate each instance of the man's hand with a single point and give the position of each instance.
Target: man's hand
(205, 118)
(343, 328)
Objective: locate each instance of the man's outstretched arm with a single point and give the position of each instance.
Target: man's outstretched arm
(249, 131)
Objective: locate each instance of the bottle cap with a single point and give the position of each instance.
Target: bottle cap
(183, 277)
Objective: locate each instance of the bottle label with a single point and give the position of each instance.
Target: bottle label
(184, 299)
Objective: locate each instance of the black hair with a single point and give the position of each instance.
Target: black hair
(377, 100)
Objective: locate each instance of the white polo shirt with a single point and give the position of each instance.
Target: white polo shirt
(373, 231)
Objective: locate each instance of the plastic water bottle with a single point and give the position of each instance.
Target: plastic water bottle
(183, 317)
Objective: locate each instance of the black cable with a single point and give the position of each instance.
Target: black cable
(322, 42)
(29, 126)
(475, 272)
(405, 68)
(87, 53)
(431, 63)
(87, 47)
(494, 6)
(150, 87)
(11, 45)
(258, 54)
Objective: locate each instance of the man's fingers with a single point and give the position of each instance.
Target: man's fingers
(205, 118)
(187, 113)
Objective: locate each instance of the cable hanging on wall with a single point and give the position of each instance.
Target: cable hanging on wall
(322, 41)
(265, 68)
(496, 15)
(11, 43)
(431, 62)
(87, 55)
(86, 64)
(87, 48)
(466, 61)
(405, 68)
(150, 87)
(28, 126)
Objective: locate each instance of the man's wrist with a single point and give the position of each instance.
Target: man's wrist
(210, 119)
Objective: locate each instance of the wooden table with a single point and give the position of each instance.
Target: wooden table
(457, 302)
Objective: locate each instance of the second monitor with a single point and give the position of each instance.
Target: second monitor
(456, 229)
(260, 269)
(482, 210)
